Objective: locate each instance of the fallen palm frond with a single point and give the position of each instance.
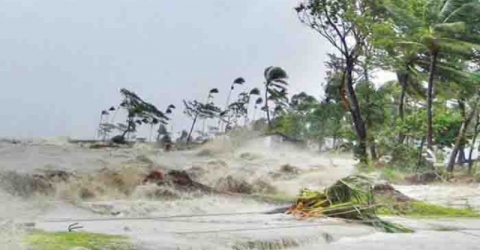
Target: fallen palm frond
(350, 198)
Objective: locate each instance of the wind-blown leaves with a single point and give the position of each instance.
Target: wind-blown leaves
(255, 91)
(138, 107)
(201, 110)
(214, 91)
(275, 74)
(239, 81)
(259, 101)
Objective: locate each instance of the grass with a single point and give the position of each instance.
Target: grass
(392, 175)
(423, 209)
(39, 240)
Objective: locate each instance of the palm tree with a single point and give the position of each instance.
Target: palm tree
(257, 102)
(442, 27)
(275, 86)
(253, 92)
(102, 114)
(238, 81)
(209, 98)
(195, 110)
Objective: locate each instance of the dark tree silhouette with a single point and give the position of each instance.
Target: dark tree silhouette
(197, 110)
(139, 111)
(275, 88)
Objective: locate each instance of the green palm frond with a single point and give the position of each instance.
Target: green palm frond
(458, 46)
(255, 91)
(239, 81)
(412, 43)
(456, 9)
(402, 15)
(456, 27)
(275, 74)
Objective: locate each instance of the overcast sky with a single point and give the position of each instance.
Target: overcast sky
(63, 61)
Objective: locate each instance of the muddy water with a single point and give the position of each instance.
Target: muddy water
(107, 183)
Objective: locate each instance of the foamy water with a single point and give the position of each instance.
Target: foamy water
(99, 183)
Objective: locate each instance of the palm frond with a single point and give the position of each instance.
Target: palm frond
(458, 46)
(239, 81)
(456, 27)
(350, 198)
(255, 91)
(455, 8)
(275, 74)
(402, 17)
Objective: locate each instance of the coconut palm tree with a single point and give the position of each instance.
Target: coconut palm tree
(259, 101)
(438, 27)
(253, 92)
(162, 129)
(195, 109)
(275, 87)
(103, 114)
(238, 81)
(209, 99)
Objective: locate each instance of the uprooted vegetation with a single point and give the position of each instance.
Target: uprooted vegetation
(350, 198)
(357, 198)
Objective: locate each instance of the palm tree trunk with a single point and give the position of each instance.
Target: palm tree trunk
(420, 151)
(433, 65)
(461, 156)
(403, 79)
(373, 150)
(129, 124)
(226, 107)
(189, 138)
(98, 130)
(150, 135)
(475, 135)
(266, 106)
(356, 115)
(458, 141)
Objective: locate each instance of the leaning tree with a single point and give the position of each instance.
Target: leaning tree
(275, 88)
(198, 110)
(139, 112)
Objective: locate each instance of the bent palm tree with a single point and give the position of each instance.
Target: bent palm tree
(275, 86)
(257, 102)
(442, 27)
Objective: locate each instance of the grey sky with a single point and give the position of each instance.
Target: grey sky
(62, 61)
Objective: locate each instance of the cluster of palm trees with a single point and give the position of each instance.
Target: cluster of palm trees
(139, 112)
(275, 91)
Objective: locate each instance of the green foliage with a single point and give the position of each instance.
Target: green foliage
(392, 175)
(39, 240)
(275, 90)
(201, 110)
(350, 198)
(446, 122)
(423, 209)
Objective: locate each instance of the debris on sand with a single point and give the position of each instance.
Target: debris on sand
(289, 169)
(233, 185)
(350, 198)
(178, 179)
